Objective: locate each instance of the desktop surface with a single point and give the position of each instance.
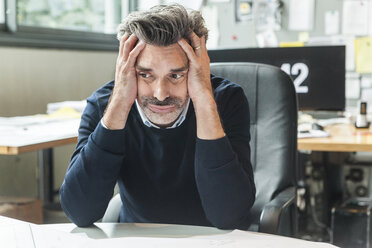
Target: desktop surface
(18, 233)
(343, 138)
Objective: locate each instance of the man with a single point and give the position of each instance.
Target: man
(174, 137)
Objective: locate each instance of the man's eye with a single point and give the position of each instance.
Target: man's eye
(176, 76)
(144, 75)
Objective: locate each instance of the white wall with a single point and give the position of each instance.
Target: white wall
(31, 78)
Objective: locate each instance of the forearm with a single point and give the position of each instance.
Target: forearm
(208, 121)
(226, 190)
(117, 111)
(92, 175)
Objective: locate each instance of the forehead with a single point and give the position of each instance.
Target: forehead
(171, 56)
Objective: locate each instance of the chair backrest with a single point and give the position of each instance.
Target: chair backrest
(273, 116)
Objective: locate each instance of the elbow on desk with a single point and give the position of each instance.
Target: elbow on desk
(226, 222)
(75, 212)
(235, 219)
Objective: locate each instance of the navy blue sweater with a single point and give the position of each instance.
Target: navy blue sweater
(164, 175)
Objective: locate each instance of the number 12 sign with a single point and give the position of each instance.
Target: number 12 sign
(300, 70)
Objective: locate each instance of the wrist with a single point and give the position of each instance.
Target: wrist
(204, 101)
(116, 114)
(204, 96)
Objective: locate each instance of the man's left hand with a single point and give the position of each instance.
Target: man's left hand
(199, 82)
(200, 89)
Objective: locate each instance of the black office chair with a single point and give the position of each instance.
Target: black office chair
(273, 111)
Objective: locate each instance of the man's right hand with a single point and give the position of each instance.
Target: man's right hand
(125, 89)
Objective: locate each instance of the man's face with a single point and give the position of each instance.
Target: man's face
(162, 83)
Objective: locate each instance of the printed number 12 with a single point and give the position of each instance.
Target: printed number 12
(302, 71)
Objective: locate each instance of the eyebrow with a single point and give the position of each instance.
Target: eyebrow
(141, 68)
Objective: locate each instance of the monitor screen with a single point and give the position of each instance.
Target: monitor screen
(318, 72)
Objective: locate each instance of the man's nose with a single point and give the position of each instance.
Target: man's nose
(161, 91)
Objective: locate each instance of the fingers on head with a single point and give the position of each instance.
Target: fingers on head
(132, 57)
(187, 49)
(122, 42)
(203, 44)
(129, 45)
(195, 40)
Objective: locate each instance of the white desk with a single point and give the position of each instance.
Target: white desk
(143, 235)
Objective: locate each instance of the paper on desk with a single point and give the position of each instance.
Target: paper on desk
(313, 134)
(26, 235)
(29, 235)
(64, 113)
(33, 133)
(233, 239)
(21, 121)
(79, 106)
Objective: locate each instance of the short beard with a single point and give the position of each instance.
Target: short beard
(163, 120)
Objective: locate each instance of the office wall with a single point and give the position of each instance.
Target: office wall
(238, 35)
(31, 78)
(246, 33)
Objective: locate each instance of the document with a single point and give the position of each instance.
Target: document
(313, 134)
(28, 130)
(36, 236)
(27, 235)
(363, 54)
(331, 24)
(301, 15)
(352, 86)
(232, 239)
(355, 17)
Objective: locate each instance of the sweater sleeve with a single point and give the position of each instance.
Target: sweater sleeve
(223, 170)
(94, 168)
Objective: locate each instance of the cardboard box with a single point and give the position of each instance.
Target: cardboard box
(25, 209)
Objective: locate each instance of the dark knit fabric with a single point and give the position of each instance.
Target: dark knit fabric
(164, 175)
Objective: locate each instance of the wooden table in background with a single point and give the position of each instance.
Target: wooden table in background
(344, 138)
(41, 138)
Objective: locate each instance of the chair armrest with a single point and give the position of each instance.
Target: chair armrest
(272, 211)
(113, 210)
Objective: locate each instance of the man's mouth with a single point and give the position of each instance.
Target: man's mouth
(161, 109)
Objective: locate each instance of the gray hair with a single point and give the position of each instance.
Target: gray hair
(163, 25)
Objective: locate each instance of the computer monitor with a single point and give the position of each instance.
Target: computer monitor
(318, 72)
